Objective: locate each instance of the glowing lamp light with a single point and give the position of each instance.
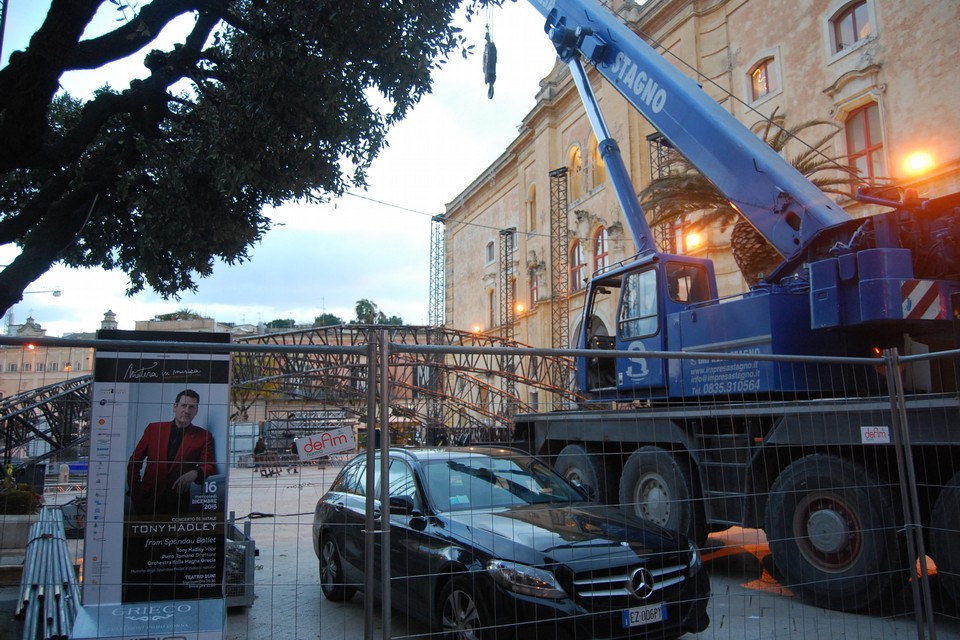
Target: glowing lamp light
(476, 328)
(692, 240)
(520, 307)
(917, 163)
(31, 347)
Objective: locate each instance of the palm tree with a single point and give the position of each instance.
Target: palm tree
(683, 191)
(182, 313)
(369, 313)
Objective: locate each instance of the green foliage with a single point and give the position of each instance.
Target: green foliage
(276, 102)
(327, 320)
(179, 314)
(282, 323)
(19, 500)
(369, 313)
(16, 499)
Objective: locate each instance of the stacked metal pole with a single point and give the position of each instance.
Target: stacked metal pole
(49, 590)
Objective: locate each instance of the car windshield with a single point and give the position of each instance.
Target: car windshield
(483, 482)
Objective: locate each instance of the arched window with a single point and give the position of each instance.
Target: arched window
(575, 173)
(852, 24)
(490, 253)
(764, 78)
(601, 250)
(865, 142)
(578, 266)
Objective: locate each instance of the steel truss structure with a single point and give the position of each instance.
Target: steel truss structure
(441, 395)
(444, 395)
(57, 414)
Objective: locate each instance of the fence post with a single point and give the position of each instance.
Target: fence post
(385, 602)
(370, 525)
(916, 551)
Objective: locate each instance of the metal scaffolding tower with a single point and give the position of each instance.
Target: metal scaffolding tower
(508, 314)
(438, 258)
(428, 374)
(559, 259)
(665, 235)
(508, 282)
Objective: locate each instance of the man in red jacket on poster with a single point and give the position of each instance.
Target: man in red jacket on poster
(169, 458)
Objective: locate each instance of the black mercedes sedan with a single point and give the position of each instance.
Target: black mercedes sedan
(489, 542)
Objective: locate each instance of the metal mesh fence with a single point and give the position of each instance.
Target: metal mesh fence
(827, 509)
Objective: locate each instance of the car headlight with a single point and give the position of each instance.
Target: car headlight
(695, 561)
(522, 578)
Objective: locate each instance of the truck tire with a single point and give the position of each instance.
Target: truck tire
(656, 487)
(580, 466)
(945, 537)
(832, 531)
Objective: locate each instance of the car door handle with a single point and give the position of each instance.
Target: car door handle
(338, 506)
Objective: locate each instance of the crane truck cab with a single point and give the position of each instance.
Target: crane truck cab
(648, 293)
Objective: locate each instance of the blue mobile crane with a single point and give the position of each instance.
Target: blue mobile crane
(807, 470)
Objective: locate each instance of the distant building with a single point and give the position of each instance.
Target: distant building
(23, 368)
(192, 324)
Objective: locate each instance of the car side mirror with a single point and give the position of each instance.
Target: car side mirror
(588, 492)
(403, 505)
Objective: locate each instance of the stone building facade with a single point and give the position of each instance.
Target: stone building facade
(878, 69)
(23, 368)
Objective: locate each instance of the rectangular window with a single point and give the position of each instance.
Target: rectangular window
(865, 143)
(491, 310)
(532, 209)
(687, 283)
(638, 305)
(578, 267)
(601, 250)
(26, 366)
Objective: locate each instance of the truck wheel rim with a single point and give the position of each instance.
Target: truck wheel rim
(828, 532)
(653, 499)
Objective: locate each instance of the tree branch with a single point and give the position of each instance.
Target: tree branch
(145, 101)
(32, 77)
(135, 34)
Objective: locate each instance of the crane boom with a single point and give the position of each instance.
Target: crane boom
(785, 207)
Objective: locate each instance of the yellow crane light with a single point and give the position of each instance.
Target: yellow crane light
(917, 163)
